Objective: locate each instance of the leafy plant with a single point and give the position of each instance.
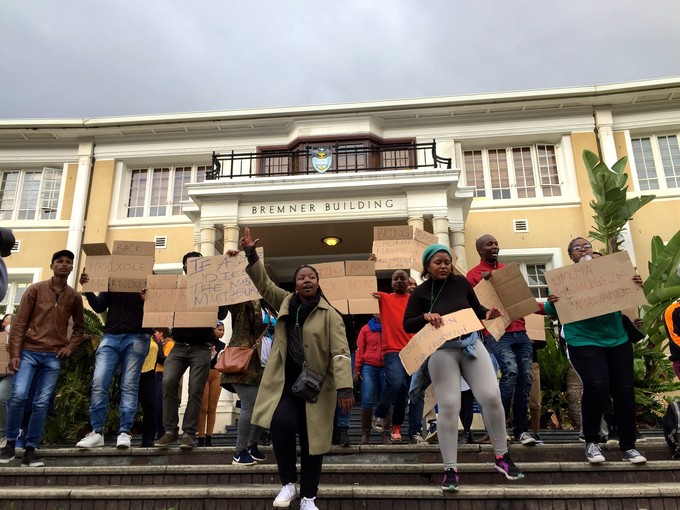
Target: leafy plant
(611, 206)
(554, 367)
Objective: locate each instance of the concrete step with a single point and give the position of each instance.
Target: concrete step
(398, 497)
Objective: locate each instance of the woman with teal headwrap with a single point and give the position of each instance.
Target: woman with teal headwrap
(442, 293)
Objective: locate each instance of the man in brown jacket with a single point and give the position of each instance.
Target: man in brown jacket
(37, 343)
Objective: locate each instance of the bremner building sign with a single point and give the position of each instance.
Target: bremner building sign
(318, 208)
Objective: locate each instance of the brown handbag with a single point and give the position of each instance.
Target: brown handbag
(235, 360)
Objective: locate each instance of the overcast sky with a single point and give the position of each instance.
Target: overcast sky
(88, 58)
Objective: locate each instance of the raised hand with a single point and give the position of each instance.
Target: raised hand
(246, 240)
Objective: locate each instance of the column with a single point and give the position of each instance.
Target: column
(231, 237)
(458, 242)
(604, 123)
(76, 225)
(440, 228)
(207, 239)
(417, 221)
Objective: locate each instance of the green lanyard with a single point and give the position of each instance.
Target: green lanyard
(433, 298)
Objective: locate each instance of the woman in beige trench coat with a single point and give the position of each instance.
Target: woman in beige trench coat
(308, 330)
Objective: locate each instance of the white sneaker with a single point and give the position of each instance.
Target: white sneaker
(92, 440)
(288, 493)
(527, 439)
(308, 504)
(124, 441)
(3, 442)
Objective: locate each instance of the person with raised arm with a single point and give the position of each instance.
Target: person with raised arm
(310, 334)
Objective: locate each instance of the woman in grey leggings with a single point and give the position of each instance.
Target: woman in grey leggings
(442, 293)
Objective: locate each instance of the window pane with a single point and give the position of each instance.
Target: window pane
(28, 201)
(179, 188)
(498, 168)
(49, 193)
(137, 193)
(276, 165)
(351, 157)
(644, 163)
(670, 159)
(396, 159)
(524, 172)
(536, 280)
(200, 172)
(547, 167)
(8, 193)
(160, 179)
(474, 172)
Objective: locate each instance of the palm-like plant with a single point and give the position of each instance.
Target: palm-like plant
(611, 206)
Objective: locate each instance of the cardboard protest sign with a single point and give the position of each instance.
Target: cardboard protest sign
(596, 287)
(430, 399)
(535, 327)
(401, 246)
(429, 339)
(349, 285)
(507, 290)
(123, 269)
(219, 280)
(165, 305)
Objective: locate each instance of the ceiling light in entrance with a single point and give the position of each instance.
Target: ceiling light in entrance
(331, 240)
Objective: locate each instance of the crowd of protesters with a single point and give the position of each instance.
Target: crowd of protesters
(310, 342)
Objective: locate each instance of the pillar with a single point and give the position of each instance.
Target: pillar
(231, 237)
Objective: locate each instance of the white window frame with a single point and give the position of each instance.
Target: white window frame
(57, 194)
(123, 195)
(511, 171)
(551, 257)
(660, 175)
(16, 276)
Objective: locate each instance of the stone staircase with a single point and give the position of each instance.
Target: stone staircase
(392, 477)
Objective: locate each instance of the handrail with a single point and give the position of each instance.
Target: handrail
(336, 159)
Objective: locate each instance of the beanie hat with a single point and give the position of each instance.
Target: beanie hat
(432, 249)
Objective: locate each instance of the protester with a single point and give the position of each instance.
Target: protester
(5, 384)
(211, 392)
(513, 350)
(397, 381)
(124, 345)
(370, 371)
(162, 335)
(603, 357)
(442, 293)
(192, 350)
(309, 333)
(37, 343)
(147, 392)
(247, 327)
(672, 323)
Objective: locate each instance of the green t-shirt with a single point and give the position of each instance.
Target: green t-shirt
(602, 331)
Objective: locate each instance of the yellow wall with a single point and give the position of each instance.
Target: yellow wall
(69, 191)
(548, 228)
(37, 248)
(99, 203)
(180, 240)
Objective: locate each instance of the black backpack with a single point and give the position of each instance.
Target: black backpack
(671, 429)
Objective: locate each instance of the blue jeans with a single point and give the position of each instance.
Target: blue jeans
(5, 392)
(372, 382)
(397, 382)
(513, 353)
(44, 366)
(341, 417)
(127, 350)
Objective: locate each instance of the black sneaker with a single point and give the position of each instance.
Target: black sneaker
(343, 437)
(450, 480)
(255, 453)
(7, 453)
(243, 459)
(505, 465)
(30, 460)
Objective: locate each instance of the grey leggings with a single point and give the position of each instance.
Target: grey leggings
(445, 367)
(246, 432)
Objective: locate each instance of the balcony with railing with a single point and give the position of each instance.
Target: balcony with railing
(334, 158)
